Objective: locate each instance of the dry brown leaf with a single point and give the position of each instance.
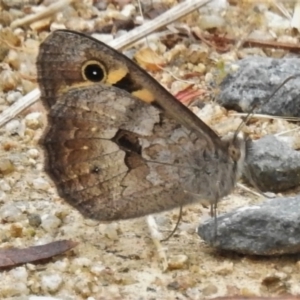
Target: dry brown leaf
(15, 256)
(188, 94)
(149, 60)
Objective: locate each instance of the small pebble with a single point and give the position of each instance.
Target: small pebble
(128, 10)
(163, 219)
(27, 86)
(51, 283)
(3, 196)
(287, 270)
(9, 80)
(61, 265)
(19, 32)
(211, 21)
(5, 18)
(209, 79)
(77, 24)
(31, 267)
(209, 289)
(174, 285)
(177, 262)
(193, 293)
(82, 262)
(82, 284)
(34, 220)
(97, 268)
(31, 43)
(40, 184)
(10, 213)
(4, 186)
(200, 68)
(111, 231)
(40, 25)
(19, 273)
(102, 37)
(16, 230)
(13, 289)
(101, 5)
(248, 292)
(33, 153)
(34, 120)
(13, 60)
(50, 223)
(91, 223)
(13, 96)
(225, 269)
(56, 26)
(13, 127)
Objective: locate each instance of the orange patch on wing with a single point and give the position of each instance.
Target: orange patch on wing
(144, 94)
(114, 76)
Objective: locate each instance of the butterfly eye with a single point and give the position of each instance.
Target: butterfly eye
(93, 71)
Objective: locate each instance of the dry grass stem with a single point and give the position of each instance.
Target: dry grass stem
(47, 12)
(262, 116)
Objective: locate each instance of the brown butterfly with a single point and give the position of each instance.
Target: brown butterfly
(118, 145)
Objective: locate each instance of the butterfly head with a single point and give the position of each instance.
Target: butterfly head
(239, 145)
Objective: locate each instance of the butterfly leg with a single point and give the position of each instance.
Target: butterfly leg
(156, 238)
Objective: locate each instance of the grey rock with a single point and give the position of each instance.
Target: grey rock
(272, 165)
(256, 79)
(270, 228)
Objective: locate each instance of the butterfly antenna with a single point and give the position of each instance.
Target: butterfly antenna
(250, 114)
(176, 226)
(213, 214)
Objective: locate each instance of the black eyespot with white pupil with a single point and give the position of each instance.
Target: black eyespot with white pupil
(93, 71)
(95, 169)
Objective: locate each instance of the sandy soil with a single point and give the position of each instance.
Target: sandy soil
(119, 260)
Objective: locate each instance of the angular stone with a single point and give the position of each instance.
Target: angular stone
(272, 166)
(256, 79)
(270, 228)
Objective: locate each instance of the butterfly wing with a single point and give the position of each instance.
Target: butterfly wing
(113, 150)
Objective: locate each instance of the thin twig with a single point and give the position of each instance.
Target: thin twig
(16, 108)
(164, 19)
(263, 116)
(280, 6)
(221, 43)
(47, 12)
(245, 188)
(295, 22)
(168, 17)
(287, 131)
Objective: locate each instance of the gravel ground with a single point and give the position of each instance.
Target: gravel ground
(119, 260)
